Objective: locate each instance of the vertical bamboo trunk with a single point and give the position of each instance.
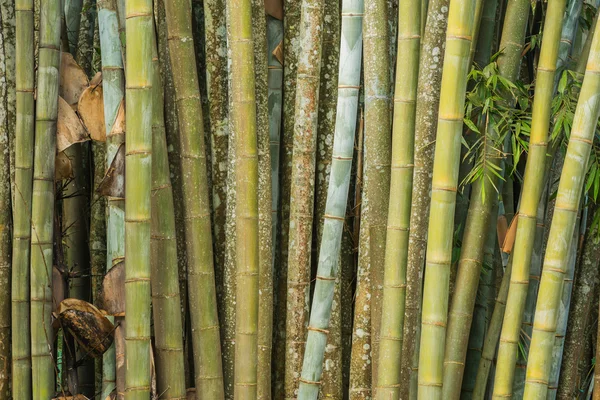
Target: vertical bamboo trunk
(42, 215)
(337, 196)
(443, 198)
(302, 189)
(563, 225)
(430, 75)
(533, 184)
(396, 250)
(85, 43)
(201, 281)
(138, 168)
(73, 21)
(9, 33)
(375, 194)
(243, 119)
(113, 84)
(21, 345)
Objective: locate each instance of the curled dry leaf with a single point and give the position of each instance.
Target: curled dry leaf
(97, 79)
(118, 126)
(92, 330)
(113, 183)
(510, 236)
(91, 111)
(63, 168)
(113, 290)
(73, 80)
(69, 129)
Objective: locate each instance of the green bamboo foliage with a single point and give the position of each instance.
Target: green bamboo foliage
(562, 228)
(341, 164)
(533, 184)
(243, 119)
(443, 198)
(201, 281)
(302, 189)
(396, 250)
(42, 215)
(138, 167)
(21, 345)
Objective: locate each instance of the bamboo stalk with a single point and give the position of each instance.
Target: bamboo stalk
(21, 345)
(42, 215)
(138, 165)
(73, 21)
(201, 281)
(443, 198)
(563, 226)
(396, 250)
(337, 196)
(533, 181)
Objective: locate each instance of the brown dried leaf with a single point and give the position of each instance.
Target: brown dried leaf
(278, 52)
(73, 80)
(113, 290)
(91, 111)
(191, 394)
(119, 124)
(509, 239)
(69, 129)
(274, 8)
(501, 229)
(63, 168)
(97, 79)
(90, 328)
(113, 183)
(58, 286)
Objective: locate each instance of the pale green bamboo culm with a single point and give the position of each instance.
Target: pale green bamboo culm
(196, 208)
(42, 214)
(563, 224)
(396, 250)
(113, 86)
(337, 196)
(138, 169)
(533, 185)
(443, 198)
(243, 123)
(21, 345)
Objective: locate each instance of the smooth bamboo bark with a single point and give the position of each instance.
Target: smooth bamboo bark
(430, 76)
(42, 216)
(24, 139)
(302, 189)
(337, 196)
(396, 250)
(533, 182)
(563, 225)
(375, 192)
(138, 165)
(443, 198)
(201, 280)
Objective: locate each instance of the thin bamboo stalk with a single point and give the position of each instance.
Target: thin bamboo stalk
(396, 249)
(73, 20)
(533, 182)
(563, 226)
(138, 165)
(25, 81)
(443, 198)
(42, 216)
(337, 196)
(201, 280)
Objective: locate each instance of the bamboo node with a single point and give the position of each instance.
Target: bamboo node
(393, 338)
(308, 382)
(581, 139)
(353, 14)
(329, 216)
(399, 286)
(206, 328)
(434, 323)
(552, 269)
(245, 384)
(325, 278)
(509, 341)
(138, 338)
(133, 280)
(314, 329)
(430, 384)
(165, 296)
(537, 381)
(135, 15)
(454, 362)
(137, 389)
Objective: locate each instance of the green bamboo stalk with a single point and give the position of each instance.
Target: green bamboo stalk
(375, 192)
(201, 280)
(85, 43)
(42, 215)
(138, 164)
(72, 9)
(302, 189)
(443, 198)
(534, 180)
(9, 37)
(428, 89)
(341, 165)
(21, 345)
(562, 228)
(243, 120)
(396, 250)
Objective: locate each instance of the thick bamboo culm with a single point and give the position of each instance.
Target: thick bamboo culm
(563, 224)
(396, 250)
(138, 168)
(42, 214)
(533, 184)
(443, 198)
(25, 81)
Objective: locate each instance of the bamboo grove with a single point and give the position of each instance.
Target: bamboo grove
(299, 199)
